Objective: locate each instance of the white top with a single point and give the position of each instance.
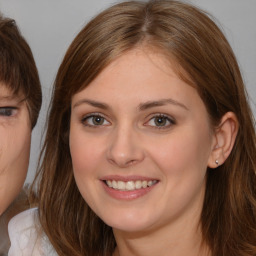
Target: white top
(26, 237)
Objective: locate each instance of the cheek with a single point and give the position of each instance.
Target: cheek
(21, 143)
(85, 152)
(183, 152)
(14, 159)
(86, 157)
(15, 147)
(182, 161)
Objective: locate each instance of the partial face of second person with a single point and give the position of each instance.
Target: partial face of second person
(140, 142)
(15, 136)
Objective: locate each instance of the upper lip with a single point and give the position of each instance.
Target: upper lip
(127, 178)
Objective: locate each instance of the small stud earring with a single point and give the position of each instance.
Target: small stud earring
(217, 161)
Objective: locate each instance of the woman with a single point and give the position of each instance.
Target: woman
(20, 102)
(150, 147)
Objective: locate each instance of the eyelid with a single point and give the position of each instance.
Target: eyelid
(90, 115)
(155, 115)
(93, 114)
(14, 109)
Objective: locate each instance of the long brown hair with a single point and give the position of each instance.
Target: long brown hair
(188, 36)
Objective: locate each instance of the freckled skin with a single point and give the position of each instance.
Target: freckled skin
(15, 137)
(129, 143)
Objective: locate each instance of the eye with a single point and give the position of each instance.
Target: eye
(7, 111)
(95, 120)
(160, 121)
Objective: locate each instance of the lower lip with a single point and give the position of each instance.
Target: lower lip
(127, 195)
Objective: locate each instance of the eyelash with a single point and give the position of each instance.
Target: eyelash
(164, 117)
(7, 111)
(93, 115)
(86, 119)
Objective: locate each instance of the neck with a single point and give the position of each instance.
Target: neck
(178, 240)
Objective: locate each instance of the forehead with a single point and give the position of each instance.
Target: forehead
(141, 64)
(7, 94)
(138, 75)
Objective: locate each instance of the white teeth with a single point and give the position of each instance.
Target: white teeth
(121, 185)
(114, 184)
(137, 184)
(109, 183)
(144, 184)
(130, 185)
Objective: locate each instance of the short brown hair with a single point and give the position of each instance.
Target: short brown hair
(17, 67)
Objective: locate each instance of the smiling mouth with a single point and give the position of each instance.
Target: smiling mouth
(129, 185)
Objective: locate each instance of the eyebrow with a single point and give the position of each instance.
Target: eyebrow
(92, 103)
(159, 103)
(142, 106)
(12, 97)
(7, 97)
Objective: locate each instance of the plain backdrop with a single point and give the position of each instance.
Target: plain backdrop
(50, 25)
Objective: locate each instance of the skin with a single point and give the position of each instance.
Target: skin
(127, 143)
(15, 130)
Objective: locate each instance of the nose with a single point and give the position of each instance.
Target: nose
(125, 148)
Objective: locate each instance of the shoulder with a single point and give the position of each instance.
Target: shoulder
(27, 237)
(22, 221)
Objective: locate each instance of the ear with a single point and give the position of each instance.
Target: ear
(223, 140)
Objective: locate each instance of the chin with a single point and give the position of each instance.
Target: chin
(128, 223)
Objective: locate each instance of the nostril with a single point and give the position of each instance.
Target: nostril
(122, 162)
(131, 162)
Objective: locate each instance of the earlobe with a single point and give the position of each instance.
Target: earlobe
(224, 140)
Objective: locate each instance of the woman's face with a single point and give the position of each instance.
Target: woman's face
(140, 142)
(15, 135)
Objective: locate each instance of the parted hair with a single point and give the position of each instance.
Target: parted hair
(18, 70)
(190, 38)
